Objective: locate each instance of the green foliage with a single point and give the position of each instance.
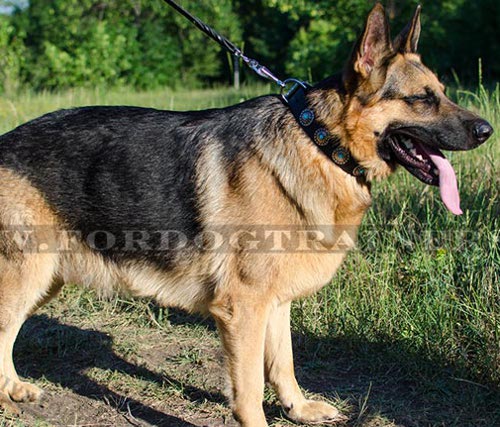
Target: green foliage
(12, 53)
(98, 60)
(142, 43)
(459, 32)
(49, 44)
(456, 33)
(324, 36)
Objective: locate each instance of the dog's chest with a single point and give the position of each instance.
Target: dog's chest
(288, 275)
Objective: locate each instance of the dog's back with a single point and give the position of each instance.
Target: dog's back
(123, 168)
(112, 168)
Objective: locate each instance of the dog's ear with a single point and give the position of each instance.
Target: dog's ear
(407, 40)
(373, 45)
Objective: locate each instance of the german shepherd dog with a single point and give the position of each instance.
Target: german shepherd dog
(104, 196)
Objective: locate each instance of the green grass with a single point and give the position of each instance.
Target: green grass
(408, 332)
(18, 109)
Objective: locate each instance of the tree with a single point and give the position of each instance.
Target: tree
(49, 44)
(325, 31)
(12, 54)
(138, 42)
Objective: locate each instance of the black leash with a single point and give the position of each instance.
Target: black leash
(295, 98)
(226, 44)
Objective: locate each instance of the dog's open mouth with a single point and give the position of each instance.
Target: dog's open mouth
(426, 163)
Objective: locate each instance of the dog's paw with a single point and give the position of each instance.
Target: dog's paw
(315, 412)
(8, 407)
(25, 392)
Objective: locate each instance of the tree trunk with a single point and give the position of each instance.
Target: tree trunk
(236, 72)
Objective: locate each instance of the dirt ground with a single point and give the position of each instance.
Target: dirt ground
(107, 367)
(162, 380)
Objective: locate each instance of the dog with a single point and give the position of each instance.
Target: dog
(136, 199)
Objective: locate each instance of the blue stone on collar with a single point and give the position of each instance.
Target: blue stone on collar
(359, 171)
(341, 156)
(321, 137)
(306, 117)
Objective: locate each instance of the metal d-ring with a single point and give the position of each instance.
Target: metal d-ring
(286, 95)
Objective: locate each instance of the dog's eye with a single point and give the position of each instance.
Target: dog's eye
(428, 98)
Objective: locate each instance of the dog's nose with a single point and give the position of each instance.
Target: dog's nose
(482, 130)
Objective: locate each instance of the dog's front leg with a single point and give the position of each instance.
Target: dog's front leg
(241, 320)
(280, 373)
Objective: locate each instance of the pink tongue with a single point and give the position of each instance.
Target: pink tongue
(447, 180)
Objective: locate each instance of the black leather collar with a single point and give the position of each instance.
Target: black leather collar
(329, 144)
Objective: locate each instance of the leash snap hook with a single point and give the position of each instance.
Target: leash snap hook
(264, 72)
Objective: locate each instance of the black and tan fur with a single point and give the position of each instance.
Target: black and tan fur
(132, 172)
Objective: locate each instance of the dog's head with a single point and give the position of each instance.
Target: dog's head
(396, 111)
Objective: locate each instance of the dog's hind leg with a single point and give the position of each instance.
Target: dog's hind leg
(241, 320)
(280, 373)
(25, 281)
